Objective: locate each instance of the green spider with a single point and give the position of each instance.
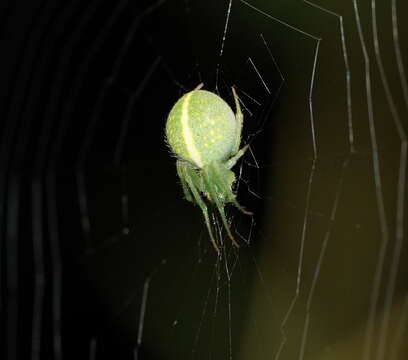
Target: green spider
(205, 135)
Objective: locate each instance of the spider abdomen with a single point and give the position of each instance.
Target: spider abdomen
(201, 128)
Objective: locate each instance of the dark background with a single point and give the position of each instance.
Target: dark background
(93, 224)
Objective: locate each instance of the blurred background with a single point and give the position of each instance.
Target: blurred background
(100, 255)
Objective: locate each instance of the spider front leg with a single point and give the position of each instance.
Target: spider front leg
(191, 188)
(217, 183)
(186, 188)
(227, 178)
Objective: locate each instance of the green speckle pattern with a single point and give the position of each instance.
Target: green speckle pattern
(210, 122)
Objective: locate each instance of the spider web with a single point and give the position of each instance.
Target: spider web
(101, 256)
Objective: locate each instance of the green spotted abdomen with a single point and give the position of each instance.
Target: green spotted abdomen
(201, 128)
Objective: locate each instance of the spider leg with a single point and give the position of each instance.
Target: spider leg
(227, 185)
(186, 188)
(241, 208)
(198, 87)
(186, 176)
(209, 173)
(240, 119)
(233, 160)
